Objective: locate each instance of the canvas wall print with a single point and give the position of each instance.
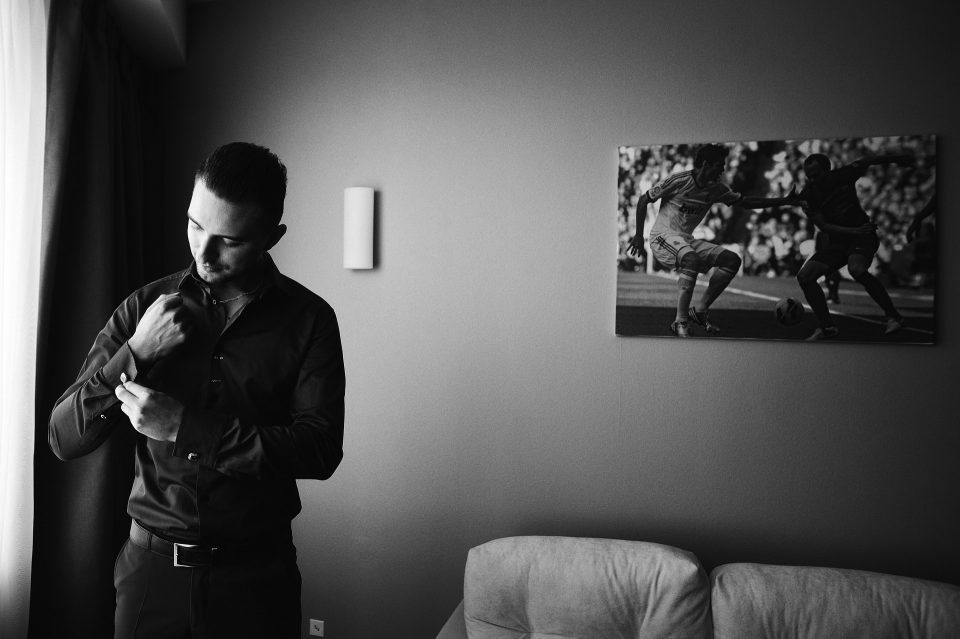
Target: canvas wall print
(819, 240)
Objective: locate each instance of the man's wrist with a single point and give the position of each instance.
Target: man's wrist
(142, 362)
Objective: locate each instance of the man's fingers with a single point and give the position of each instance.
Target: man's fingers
(167, 300)
(181, 317)
(135, 389)
(160, 299)
(130, 392)
(171, 300)
(124, 395)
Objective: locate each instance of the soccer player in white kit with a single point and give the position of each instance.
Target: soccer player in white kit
(687, 196)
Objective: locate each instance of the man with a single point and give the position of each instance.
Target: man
(687, 196)
(233, 375)
(831, 202)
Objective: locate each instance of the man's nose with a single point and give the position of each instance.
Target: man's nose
(206, 250)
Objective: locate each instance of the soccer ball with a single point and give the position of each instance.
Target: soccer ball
(788, 311)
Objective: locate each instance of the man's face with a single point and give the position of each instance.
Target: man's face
(227, 240)
(813, 170)
(711, 171)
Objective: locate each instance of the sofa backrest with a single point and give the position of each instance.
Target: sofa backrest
(577, 588)
(791, 602)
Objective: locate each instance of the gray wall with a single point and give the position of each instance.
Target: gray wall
(487, 393)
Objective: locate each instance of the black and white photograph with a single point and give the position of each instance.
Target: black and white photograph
(822, 239)
(307, 326)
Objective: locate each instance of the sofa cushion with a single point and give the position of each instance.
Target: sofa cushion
(563, 587)
(790, 602)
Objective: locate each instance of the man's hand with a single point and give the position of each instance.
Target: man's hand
(161, 329)
(793, 198)
(636, 246)
(152, 413)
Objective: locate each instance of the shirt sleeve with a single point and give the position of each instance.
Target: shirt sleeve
(88, 411)
(665, 188)
(727, 196)
(848, 174)
(309, 447)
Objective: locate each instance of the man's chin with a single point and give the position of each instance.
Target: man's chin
(211, 277)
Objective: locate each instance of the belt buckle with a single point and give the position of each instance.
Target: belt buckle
(176, 555)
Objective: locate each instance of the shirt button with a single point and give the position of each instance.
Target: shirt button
(103, 416)
(193, 456)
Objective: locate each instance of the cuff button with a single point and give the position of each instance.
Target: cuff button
(192, 456)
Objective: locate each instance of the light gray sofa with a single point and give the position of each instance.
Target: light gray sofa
(579, 588)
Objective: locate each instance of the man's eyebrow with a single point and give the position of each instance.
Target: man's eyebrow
(232, 238)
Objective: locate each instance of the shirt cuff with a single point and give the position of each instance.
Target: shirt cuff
(121, 362)
(198, 439)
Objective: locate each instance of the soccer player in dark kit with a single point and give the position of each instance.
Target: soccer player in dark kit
(830, 201)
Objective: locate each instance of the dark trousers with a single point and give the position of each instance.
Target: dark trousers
(253, 598)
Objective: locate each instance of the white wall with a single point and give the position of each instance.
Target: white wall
(487, 392)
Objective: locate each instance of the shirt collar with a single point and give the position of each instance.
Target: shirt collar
(272, 277)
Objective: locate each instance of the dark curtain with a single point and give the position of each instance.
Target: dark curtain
(100, 186)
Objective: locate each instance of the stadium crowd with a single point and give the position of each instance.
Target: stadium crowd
(775, 242)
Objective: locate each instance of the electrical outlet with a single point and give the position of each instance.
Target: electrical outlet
(316, 628)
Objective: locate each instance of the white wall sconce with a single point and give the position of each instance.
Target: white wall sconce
(358, 227)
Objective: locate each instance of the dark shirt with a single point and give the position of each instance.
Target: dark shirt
(263, 404)
(834, 196)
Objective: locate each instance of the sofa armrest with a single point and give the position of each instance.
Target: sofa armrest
(564, 587)
(455, 628)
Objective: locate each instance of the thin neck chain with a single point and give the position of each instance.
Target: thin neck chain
(234, 299)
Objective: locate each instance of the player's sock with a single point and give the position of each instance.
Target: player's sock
(685, 285)
(833, 288)
(719, 281)
(879, 294)
(817, 301)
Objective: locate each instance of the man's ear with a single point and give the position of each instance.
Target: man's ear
(275, 236)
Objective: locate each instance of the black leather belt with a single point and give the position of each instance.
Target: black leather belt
(195, 555)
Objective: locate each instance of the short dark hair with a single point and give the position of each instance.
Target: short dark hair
(245, 173)
(710, 153)
(818, 158)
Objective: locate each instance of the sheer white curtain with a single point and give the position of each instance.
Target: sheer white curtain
(23, 38)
